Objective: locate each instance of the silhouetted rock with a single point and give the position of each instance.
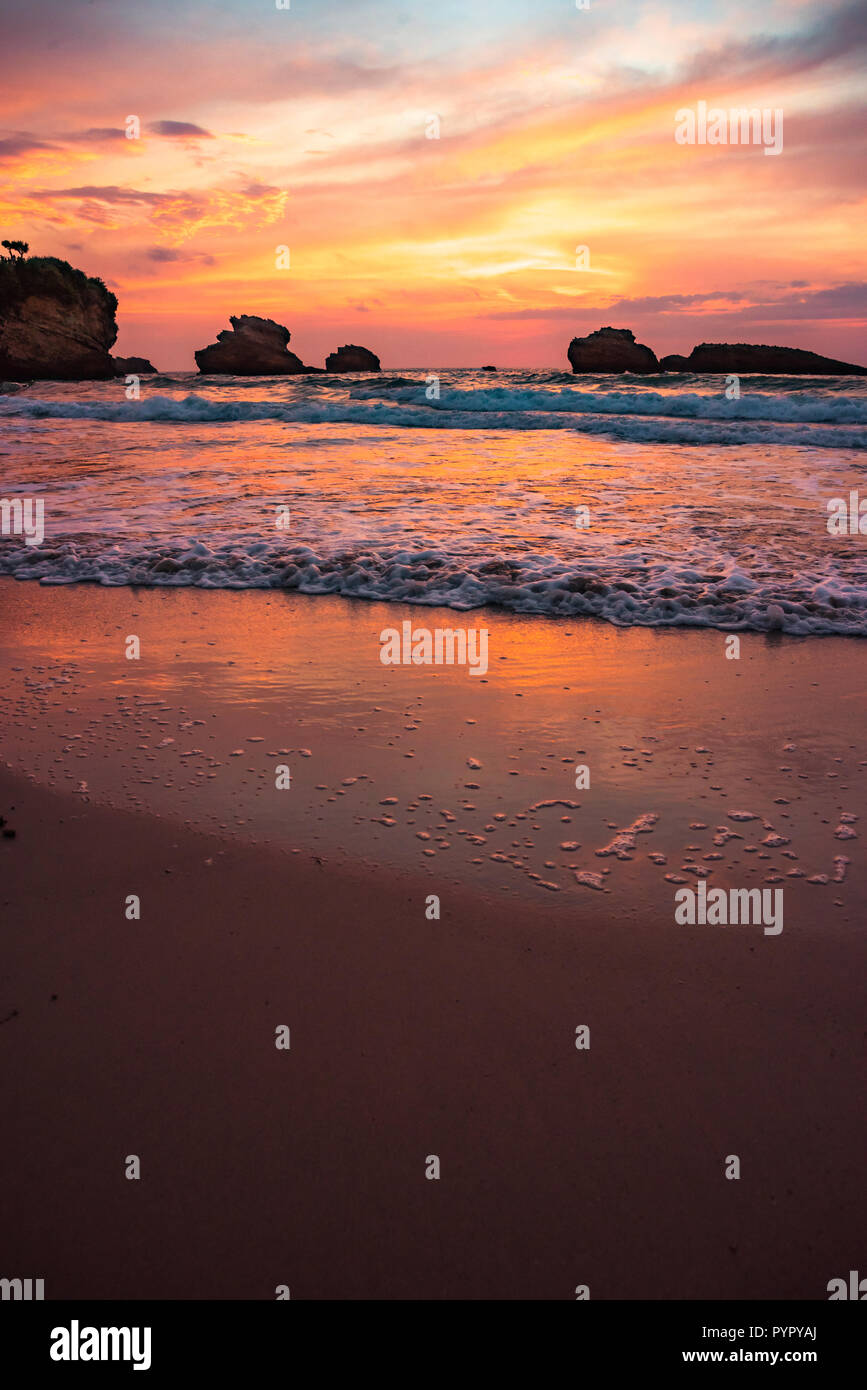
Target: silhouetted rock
(740, 359)
(133, 366)
(252, 347)
(489, 369)
(611, 350)
(56, 323)
(351, 358)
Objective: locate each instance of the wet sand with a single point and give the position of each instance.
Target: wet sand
(412, 1037)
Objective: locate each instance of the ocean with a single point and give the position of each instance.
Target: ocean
(652, 501)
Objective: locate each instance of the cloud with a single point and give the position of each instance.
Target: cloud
(668, 303)
(94, 136)
(165, 255)
(178, 211)
(176, 130)
(847, 301)
(105, 193)
(337, 76)
(258, 190)
(837, 37)
(14, 146)
(843, 301)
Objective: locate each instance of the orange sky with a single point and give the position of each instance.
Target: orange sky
(309, 128)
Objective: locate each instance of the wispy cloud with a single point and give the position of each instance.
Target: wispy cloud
(179, 130)
(14, 146)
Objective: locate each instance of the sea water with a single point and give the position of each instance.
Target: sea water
(639, 500)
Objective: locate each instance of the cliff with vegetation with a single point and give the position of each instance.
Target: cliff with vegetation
(56, 323)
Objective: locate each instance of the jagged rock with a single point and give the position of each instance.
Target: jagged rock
(740, 359)
(133, 366)
(56, 323)
(351, 358)
(611, 350)
(251, 347)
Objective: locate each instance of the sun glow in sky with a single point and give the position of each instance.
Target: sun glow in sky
(310, 128)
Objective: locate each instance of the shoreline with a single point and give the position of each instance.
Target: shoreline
(452, 616)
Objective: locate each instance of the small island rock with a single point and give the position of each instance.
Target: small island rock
(611, 350)
(133, 366)
(252, 347)
(351, 358)
(740, 359)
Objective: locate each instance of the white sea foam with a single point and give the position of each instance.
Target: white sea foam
(661, 595)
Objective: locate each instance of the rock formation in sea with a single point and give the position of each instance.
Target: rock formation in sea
(489, 369)
(611, 350)
(251, 347)
(351, 358)
(739, 359)
(56, 323)
(133, 366)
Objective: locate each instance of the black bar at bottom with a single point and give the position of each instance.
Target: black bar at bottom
(413, 1340)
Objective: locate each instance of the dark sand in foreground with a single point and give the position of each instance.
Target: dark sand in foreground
(413, 1037)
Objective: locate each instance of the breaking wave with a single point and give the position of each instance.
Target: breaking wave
(823, 422)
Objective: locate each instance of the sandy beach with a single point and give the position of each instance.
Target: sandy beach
(413, 1036)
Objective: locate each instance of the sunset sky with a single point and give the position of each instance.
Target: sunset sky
(308, 127)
